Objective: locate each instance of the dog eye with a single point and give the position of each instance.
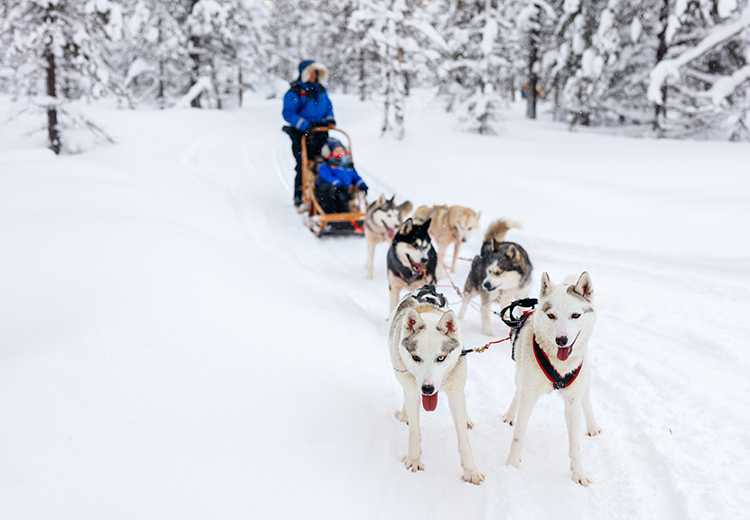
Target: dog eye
(416, 358)
(551, 316)
(575, 315)
(440, 359)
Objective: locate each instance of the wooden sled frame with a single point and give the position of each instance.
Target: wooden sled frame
(310, 199)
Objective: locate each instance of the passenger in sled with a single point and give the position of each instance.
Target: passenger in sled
(339, 187)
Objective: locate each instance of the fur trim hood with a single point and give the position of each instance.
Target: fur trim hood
(306, 68)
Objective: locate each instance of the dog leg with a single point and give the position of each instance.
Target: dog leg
(456, 249)
(592, 428)
(526, 402)
(413, 459)
(401, 414)
(394, 293)
(457, 403)
(464, 304)
(510, 415)
(573, 420)
(486, 315)
(370, 259)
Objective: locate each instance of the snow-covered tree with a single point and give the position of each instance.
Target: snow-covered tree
(56, 54)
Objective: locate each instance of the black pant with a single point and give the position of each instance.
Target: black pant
(315, 142)
(333, 199)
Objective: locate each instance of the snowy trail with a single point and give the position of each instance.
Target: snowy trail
(178, 344)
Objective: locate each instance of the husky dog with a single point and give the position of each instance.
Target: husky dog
(551, 354)
(382, 219)
(425, 349)
(500, 273)
(450, 225)
(411, 259)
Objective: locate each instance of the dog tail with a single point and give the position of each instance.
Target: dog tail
(498, 229)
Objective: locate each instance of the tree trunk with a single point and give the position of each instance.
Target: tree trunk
(240, 87)
(53, 128)
(660, 110)
(160, 94)
(362, 75)
(531, 97)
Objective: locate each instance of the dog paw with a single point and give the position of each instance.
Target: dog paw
(473, 476)
(514, 461)
(508, 419)
(401, 416)
(413, 465)
(593, 432)
(580, 478)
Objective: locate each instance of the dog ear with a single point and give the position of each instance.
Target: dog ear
(448, 325)
(513, 254)
(405, 208)
(546, 286)
(426, 223)
(583, 287)
(390, 201)
(406, 227)
(381, 200)
(413, 322)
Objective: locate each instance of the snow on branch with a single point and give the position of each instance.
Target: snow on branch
(204, 84)
(724, 87)
(669, 69)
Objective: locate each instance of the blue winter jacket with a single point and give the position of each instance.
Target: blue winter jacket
(307, 104)
(338, 176)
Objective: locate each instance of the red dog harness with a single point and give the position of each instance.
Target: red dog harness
(558, 381)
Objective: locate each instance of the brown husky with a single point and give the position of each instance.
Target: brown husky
(450, 225)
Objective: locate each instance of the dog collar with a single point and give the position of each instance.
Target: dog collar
(558, 382)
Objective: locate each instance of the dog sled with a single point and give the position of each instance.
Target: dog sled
(317, 220)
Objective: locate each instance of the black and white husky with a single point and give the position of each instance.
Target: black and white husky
(382, 219)
(411, 259)
(500, 273)
(425, 348)
(551, 352)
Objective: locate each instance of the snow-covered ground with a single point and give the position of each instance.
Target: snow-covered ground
(175, 344)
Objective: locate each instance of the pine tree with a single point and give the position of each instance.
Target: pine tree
(62, 42)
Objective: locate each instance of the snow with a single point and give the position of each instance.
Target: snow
(177, 345)
(636, 28)
(725, 87)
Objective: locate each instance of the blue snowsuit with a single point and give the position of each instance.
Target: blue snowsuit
(307, 104)
(333, 187)
(340, 177)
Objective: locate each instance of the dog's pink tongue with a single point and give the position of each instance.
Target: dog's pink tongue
(429, 402)
(563, 353)
(390, 234)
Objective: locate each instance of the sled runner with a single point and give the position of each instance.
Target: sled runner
(320, 222)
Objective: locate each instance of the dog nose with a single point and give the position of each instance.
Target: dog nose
(488, 286)
(561, 340)
(428, 389)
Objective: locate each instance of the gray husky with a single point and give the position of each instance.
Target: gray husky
(500, 273)
(382, 220)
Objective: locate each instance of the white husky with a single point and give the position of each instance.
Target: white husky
(425, 350)
(551, 354)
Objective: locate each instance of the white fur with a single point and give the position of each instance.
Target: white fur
(377, 229)
(307, 72)
(506, 287)
(531, 382)
(429, 332)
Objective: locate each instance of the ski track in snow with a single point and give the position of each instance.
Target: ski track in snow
(667, 387)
